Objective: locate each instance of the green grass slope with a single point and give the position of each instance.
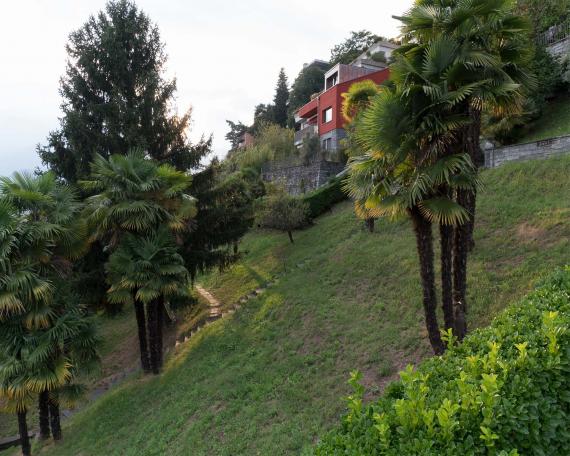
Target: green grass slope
(269, 379)
(555, 120)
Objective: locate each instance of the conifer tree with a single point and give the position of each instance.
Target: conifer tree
(281, 100)
(116, 97)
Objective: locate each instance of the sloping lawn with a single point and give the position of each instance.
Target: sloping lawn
(555, 121)
(269, 379)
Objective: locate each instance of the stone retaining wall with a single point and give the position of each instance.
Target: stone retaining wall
(539, 149)
(298, 179)
(560, 48)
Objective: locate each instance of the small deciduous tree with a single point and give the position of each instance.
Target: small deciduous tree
(283, 212)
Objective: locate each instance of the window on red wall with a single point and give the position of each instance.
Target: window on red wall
(327, 115)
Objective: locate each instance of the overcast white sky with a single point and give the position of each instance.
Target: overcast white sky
(225, 55)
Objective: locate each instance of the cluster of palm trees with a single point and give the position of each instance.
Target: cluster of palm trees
(138, 209)
(46, 339)
(420, 134)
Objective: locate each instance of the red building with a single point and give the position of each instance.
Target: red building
(322, 115)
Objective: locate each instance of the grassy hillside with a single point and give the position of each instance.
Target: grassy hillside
(555, 121)
(269, 379)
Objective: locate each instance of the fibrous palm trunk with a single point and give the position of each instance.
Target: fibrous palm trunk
(23, 432)
(424, 241)
(460, 250)
(370, 224)
(152, 311)
(54, 417)
(159, 327)
(142, 332)
(291, 237)
(446, 241)
(43, 408)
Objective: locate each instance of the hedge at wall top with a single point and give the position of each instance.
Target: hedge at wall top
(324, 198)
(504, 391)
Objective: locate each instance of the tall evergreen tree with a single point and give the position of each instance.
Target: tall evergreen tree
(281, 100)
(116, 97)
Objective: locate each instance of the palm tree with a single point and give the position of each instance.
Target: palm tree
(355, 101)
(48, 336)
(482, 54)
(148, 269)
(403, 173)
(133, 194)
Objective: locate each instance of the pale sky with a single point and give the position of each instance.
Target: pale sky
(226, 56)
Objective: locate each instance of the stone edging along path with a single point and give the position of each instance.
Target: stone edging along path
(216, 309)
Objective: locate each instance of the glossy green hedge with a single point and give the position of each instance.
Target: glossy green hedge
(504, 391)
(324, 198)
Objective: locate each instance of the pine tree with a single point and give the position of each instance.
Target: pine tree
(115, 96)
(281, 100)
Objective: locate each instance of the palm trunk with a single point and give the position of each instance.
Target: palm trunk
(54, 417)
(142, 330)
(23, 431)
(153, 336)
(291, 237)
(478, 159)
(424, 240)
(159, 327)
(43, 408)
(446, 240)
(460, 249)
(470, 203)
(370, 224)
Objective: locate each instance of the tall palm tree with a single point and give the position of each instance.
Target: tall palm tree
(483, 55)
(403, 173)
(133, 194)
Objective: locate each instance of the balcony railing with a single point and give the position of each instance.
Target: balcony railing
(555, 33)
(309, 130)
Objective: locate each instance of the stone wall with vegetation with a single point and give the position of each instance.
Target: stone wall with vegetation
(560, 48)
(301, 178)
(527, 151)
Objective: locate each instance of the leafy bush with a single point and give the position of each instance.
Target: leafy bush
(283, 212)
(325, 197)
(504, 391)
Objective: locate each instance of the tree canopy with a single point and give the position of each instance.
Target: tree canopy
(116, 97)
(353, 46)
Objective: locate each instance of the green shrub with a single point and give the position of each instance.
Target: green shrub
(504, 391)
(324, 198)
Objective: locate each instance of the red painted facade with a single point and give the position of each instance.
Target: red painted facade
(332, 98)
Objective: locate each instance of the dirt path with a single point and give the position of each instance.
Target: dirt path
(215, 305)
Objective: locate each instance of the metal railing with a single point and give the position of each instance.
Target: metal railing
(554, 34)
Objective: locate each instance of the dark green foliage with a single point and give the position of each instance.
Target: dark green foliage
(544, 13)
(281, 99)
(115, 96)
(225, 213)
(353, 46)
(325, 198)
(236, 132)
(379, 57)
(503, 391)
(309, 81)
(263, 115)
(311, 149)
